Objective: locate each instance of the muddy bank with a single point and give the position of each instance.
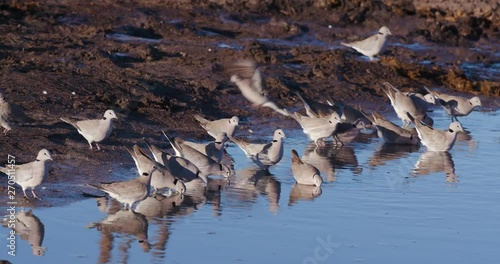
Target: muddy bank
(157, 64)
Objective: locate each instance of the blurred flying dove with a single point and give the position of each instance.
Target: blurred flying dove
(29, 175)
(246, 75)
(434, 139)
(264, 155)
(94, 130)
(372, 45)
(305, 173)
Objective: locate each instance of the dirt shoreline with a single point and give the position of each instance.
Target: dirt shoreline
(157, 64)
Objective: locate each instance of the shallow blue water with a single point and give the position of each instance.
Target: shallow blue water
(380, 206)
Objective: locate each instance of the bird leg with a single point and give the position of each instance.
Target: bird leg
(25, 196)
(337, 139)
(34, 194)
(98, 148)
(5, 131)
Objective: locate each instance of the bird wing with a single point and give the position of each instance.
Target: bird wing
(364, 44)
(90, 126)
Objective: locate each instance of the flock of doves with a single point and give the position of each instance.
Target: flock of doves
(194, 162)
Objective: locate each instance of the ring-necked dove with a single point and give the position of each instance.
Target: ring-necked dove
(403, 104)
(305, 173)
(94, 130)
(456, 105)
(317, 109)
(180, 167)
(434, 139)
(318, 128)
(206, 165)
(264, 155)
(214, 150)
(424, 101)
(393, 134)
(217, 127)
(127, 192)
(31, 174)
(246, 75)
(372, 45)
(10, 114)
(30, 228)
(163, 176)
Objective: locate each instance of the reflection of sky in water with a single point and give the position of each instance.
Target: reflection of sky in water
(377, 209)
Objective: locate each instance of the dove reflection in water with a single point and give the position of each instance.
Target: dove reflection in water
(121, 225)
(434, 161)
(319, 158)
(303, 192)
(251, 182)
(31, 229)
(387, 152)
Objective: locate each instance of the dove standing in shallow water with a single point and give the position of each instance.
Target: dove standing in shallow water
(30, 175)
(393, 134)
(372, 45)
(127, 192)
(305, 173)
(246, 75)
(206, 165)
(318, 128)
(180, 167)
(317, 109)
(162, 177)
(94, 130)
(404, 104)
(264, 155)
(456, 105)
(220, 126)
(214, 150)
(437, 140)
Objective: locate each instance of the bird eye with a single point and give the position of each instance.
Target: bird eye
(145, 174)
(330, 121)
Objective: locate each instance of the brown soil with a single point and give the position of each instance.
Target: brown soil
(171, 65)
